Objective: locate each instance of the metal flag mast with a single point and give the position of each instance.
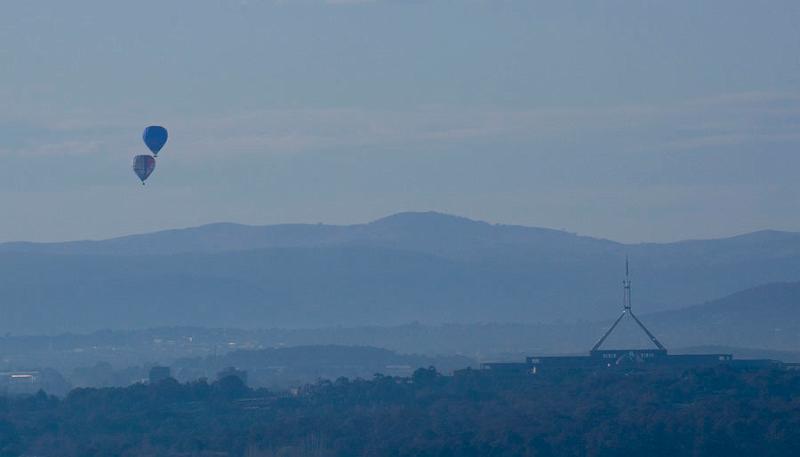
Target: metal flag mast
(626, 310)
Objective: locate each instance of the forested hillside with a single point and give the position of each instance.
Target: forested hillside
(708, 412)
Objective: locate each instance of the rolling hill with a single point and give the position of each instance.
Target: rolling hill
(766, 316)
(426, 267)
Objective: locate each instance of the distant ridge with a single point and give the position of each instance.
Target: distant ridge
(397, 230)
(426, 267)
(766, 316)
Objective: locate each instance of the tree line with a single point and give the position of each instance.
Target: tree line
(698, 412)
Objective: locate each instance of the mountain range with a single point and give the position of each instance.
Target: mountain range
(426, 267)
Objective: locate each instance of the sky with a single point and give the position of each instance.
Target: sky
(634, 121)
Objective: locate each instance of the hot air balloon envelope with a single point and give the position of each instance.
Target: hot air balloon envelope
(155, 137)
(143, 165)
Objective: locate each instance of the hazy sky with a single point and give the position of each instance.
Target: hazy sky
(631, 120)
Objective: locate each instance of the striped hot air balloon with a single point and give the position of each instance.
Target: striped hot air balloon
(143, 166)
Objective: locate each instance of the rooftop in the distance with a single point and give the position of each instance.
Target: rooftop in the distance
(600, 358)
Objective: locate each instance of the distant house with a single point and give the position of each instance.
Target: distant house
(622, 358)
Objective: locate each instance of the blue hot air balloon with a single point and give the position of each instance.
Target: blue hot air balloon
(155, 137)
(143, 165)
